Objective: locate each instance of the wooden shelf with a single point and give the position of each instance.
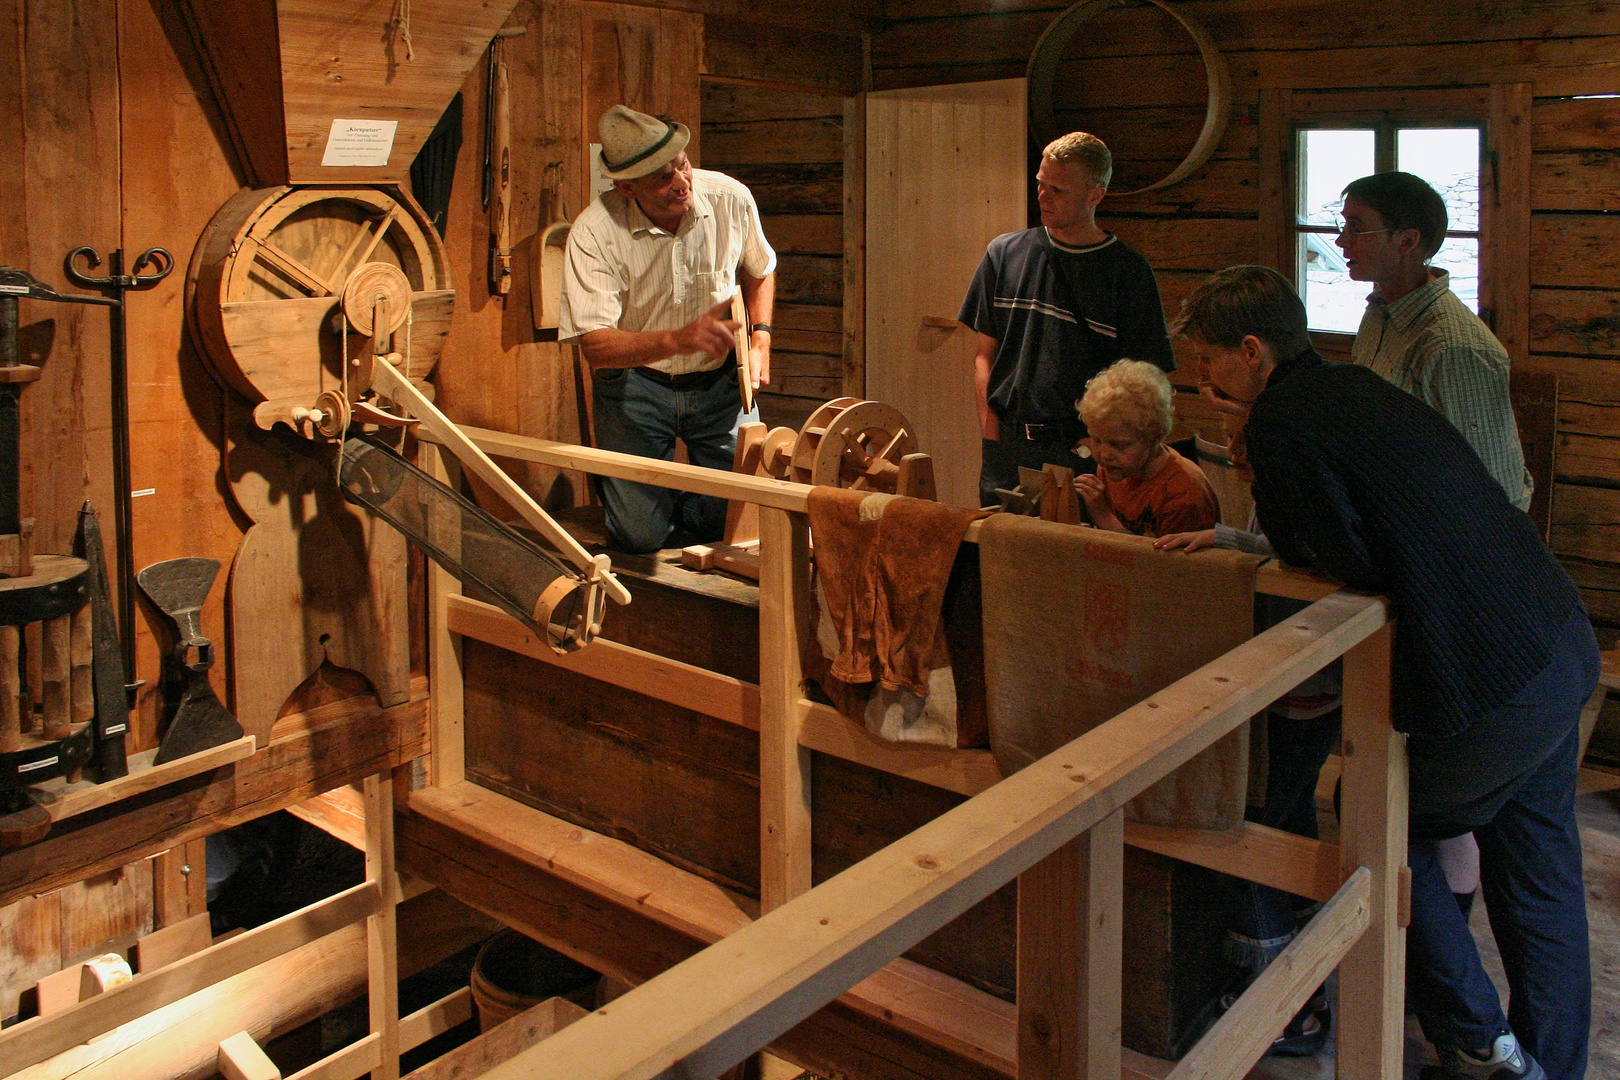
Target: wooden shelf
(63, 800)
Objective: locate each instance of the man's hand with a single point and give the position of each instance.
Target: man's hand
(1221, 403)
(1095, 496)
(989, 425)
(1187, 541)
(710, 333)
(759, 353)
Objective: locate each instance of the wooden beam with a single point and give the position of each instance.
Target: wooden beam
(672, 681)
(1372, 834)
(966, 772)
(382, 951)
(724, 1004)
(501, 1042)
(1070, 922)
(177, 941)
(784, 765)
(352, 1062)
(431, 1021)
(63, 800)
(447, 706)
(1266, 856)
(35, 1040)
(854, 306)
(1505, 247)
(240, 1058)
(179, 884)
(622, 910)
(1242, 1036)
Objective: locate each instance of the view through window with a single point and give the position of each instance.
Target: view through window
(1329, 158)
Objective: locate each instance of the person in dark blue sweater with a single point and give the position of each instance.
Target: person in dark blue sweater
(1494, 657)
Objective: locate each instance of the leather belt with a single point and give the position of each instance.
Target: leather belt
(1051, 432)
(691, 380)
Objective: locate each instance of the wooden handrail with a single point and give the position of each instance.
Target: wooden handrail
(711, 1011)
(32, 1041)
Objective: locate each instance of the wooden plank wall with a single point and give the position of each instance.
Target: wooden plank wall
(1138, 83)
(787, 145)
(763, 117)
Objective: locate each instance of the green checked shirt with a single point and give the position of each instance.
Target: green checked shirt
(1429, 344)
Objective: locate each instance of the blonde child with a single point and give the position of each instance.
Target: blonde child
(1142, 485)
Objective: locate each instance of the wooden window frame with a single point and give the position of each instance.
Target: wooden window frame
(1502, 110)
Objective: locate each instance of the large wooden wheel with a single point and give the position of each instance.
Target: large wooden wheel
(266, 281)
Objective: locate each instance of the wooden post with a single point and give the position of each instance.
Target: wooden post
(445, 704)
(10, 690)
(855, 246)
(1070, 916)
(382, 954)
(1372, 990)
(179, 884)
(784, 765)
(56, 675)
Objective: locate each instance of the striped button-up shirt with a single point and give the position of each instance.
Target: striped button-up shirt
(1429, 344)
(623, 271)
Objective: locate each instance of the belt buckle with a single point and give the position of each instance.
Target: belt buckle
(1031, 431)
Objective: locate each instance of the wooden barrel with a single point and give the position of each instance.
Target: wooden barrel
(514, 973)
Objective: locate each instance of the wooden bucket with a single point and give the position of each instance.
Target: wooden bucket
(513, 973)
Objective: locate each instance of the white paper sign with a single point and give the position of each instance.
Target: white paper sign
(599, 183)
(360, 142)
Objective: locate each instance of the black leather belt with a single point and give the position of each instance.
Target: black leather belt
(691, 380)
(1057, 431)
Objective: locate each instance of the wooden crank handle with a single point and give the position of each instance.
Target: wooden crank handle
(391, 384)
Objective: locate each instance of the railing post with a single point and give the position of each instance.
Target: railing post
(445, 677)
(382, 953)
(784, 765)
(1069, 958)
(1371, 1019)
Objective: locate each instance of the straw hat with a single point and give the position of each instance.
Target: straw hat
(635, 144)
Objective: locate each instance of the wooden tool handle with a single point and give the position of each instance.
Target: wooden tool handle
(745, 358)
(55, 674)
(10, 691)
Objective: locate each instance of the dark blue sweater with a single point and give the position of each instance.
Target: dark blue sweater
(1365, 483)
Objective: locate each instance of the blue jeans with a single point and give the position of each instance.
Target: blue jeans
(1510, 780)
(635, 415)
(1263, 920)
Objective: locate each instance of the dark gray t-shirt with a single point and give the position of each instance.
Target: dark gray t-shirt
(1061, 315)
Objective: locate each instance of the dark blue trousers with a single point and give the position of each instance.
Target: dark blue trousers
(635, 415)
(1510, 780)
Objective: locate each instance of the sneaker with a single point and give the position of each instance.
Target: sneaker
(1306, 1034)
(1506, 1060)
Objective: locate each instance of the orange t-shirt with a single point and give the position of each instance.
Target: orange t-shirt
(1177, 498)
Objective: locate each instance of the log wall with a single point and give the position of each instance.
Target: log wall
(787, 145)
(1138, 83)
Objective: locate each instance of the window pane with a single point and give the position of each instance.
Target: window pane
(1328, 160)
(1332, 300)
(1461, 257)
(1448, 158)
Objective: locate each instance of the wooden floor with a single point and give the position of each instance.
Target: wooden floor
(1598, 810)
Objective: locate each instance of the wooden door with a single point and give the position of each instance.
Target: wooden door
(946, 173)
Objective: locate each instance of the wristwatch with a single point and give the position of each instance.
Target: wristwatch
(757, 327)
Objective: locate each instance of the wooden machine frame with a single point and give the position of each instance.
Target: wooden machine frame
(1058, 826)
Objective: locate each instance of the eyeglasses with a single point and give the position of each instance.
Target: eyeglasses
(1346, 230)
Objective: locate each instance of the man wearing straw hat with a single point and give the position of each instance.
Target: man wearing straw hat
(647, 285)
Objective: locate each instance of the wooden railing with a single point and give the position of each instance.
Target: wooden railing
(1057, 826)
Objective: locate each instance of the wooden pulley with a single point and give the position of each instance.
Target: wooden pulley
(852, 443)
(280, 272)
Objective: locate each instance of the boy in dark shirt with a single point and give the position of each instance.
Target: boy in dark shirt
(1054, 306)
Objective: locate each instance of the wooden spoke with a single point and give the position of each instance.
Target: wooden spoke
(296, 271)
(363, 235)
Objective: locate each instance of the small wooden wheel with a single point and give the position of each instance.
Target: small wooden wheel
(270, 272)
(370, 286)
(853, 443)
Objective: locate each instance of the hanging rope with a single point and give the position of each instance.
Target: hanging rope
(402, 26)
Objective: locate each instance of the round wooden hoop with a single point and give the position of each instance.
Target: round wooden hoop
(1043, 65)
